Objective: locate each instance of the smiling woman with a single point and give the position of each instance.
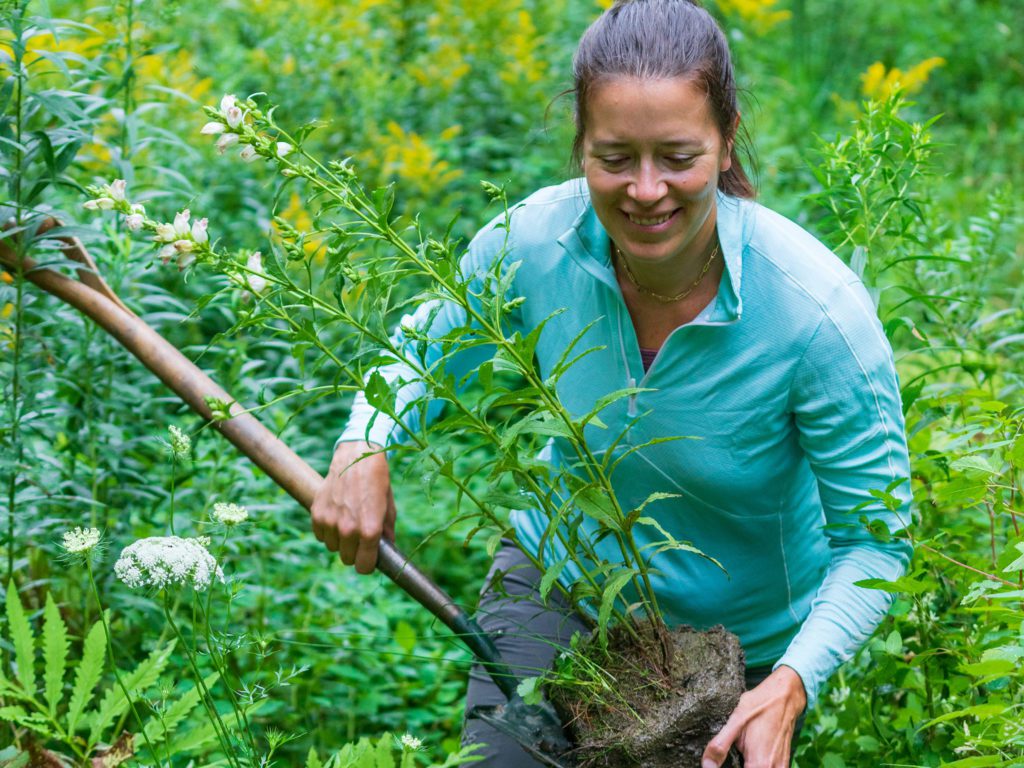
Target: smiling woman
(737, 327)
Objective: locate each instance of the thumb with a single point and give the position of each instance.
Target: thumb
(718, 748)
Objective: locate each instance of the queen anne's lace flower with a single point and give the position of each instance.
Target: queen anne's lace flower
(411, 742)
(163, 561)
(81, 540)
(181, 444)
(229, 514)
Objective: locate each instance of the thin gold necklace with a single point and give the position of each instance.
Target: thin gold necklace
(659, 296)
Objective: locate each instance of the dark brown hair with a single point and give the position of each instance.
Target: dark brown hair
(655, 40)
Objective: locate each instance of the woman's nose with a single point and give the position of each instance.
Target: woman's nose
(647, 186)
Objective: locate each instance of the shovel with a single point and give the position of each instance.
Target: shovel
(536, 727)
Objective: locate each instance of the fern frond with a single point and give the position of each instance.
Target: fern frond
(22, 639)
(55, 654)
(87, 674)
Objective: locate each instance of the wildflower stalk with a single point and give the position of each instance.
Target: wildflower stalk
(113, 664)
(204, 693)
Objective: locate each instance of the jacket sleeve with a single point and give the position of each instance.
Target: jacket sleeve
(434, 318)
(846, 403)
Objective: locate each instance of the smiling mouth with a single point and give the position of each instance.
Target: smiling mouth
(650, 221)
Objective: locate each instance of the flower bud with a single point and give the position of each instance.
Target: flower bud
(104, 203)
(256, 282)
(225, 141)
(181, 228)
(165, 233)
(199, 231)
(91, 205)
(212, 128)
(284, 148)
(184, 246)
(248, 153)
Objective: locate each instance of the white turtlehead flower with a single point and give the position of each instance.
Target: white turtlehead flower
(230, 111)
(184, 246)
(117, 190)
(248, 153)
(165, 233)
(136, 218)
(164, 561)
(91, 205)
(212, 128)
(166, 253)
(256, 282)
(181, 444)
(199, 230)
(411, 742)
(284, 148)
(81, 541)
(104, 203)
(186, 259)
(229, 514)
(225, 141)
(181, 225)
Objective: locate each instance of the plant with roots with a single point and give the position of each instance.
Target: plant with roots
(338, 291)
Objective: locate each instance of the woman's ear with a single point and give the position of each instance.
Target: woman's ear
(730, 143)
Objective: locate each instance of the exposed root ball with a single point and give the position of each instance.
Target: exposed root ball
(674, 692)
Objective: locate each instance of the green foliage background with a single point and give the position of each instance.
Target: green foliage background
(436, 96)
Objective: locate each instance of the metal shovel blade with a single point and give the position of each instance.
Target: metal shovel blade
(536, 727)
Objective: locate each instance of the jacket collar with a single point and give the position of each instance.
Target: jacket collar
(587, 242)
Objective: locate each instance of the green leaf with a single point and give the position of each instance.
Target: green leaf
(1017, 452)
(405, 636)
(1018, 564)
(596, 504)
(530, 690)
(903, 584)
(612, 587)
(974, 466)
(162, 726)
(87, 674)
(55, 654)
(894, 643)
(22, 639)
(550, 576)
(313, 759)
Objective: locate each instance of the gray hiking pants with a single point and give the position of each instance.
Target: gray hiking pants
(528, 634)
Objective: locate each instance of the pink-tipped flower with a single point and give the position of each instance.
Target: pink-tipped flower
(166, 253)
(230, 111)
(181, 226)
(248, 153)
(199, 231)
(212, 129)
(256, 282)
(117, 190)
(225, 141)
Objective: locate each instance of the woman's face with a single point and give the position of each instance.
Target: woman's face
(652, 154)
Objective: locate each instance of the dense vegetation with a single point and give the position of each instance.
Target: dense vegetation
(296, 651)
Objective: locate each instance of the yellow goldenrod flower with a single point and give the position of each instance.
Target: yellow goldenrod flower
(878, 82)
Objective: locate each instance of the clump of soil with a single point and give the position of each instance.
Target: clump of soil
(674, 691)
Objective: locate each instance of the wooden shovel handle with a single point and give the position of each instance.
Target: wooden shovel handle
(94, 298)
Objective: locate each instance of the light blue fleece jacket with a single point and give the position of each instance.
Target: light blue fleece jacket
(787, 381)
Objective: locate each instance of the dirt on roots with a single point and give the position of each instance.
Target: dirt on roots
(674, 690)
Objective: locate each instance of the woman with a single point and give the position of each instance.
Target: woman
(746, 331)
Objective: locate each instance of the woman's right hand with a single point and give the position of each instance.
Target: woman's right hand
(354, 505)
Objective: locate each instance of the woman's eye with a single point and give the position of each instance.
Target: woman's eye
(680, 161)
(614, 161)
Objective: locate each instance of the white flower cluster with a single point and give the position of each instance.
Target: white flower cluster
(181, 238)
(181, 444)
(163, 561)
(231, 129)
(81, 540)
(229, 514)
(113, 196)
(411, 742)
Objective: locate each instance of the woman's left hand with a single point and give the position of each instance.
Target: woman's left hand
(761, 726)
